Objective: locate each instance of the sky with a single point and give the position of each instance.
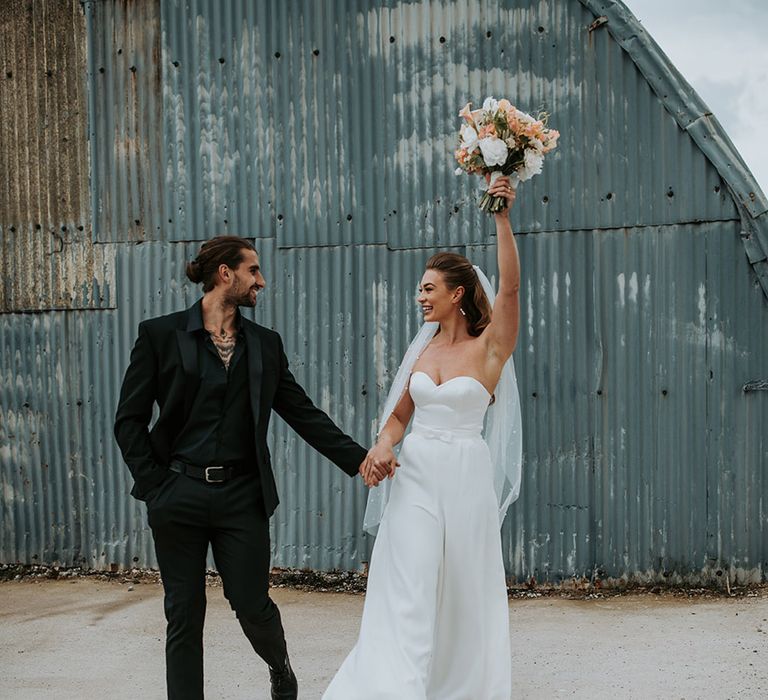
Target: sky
(721, 48)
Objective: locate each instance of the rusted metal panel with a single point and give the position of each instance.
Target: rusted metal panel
(63, 485)
(642, 319)
(289, 107)
(125, 101)
(549, 532)
(262, 131)
(346, 314)
(737, 445)
(47, 271)
(44, 153)
(642, 450)
(633, 168)
(46, 254)
(693, 116)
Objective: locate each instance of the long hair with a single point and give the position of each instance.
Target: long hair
(457, 271)
(221, 250)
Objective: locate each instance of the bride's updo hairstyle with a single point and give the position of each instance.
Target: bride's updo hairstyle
(221, 250)
(457, 271)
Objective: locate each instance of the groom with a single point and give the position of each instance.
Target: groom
(204, 468)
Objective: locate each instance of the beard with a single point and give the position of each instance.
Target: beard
(241, 296)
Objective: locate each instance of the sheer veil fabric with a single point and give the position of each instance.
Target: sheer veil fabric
(503, 426)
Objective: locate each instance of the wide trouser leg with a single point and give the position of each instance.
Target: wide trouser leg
(471, 649)
(178, 517)
(392, 658)
(241, 549)
(436, 620)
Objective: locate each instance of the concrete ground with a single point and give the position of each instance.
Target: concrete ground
(84, 638)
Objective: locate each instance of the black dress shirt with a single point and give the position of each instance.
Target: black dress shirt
(219, 429)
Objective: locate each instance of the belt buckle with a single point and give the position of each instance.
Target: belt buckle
(208, 478)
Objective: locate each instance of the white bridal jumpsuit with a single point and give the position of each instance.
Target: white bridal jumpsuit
(436, 621)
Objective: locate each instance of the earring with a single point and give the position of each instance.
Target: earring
(463, 313)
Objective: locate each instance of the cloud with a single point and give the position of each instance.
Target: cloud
(720, 49)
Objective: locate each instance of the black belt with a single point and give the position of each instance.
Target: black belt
(214, 474)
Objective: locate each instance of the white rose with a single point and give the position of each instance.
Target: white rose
(458, 171)
(533, 164)
(524, 117)
(494, 151)
(490, 105)
(468, 138)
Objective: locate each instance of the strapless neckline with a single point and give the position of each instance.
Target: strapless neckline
(452, 379)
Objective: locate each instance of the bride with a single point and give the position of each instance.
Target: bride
(436, 622)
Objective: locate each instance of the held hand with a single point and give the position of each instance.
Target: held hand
(375, 474)
(379, 463)
(502, 188)
(371, 474)
(383, 458)
(368, 479)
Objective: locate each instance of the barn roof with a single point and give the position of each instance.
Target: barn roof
(695, 118)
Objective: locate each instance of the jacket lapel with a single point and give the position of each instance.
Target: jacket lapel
(188, 352)
(255, 368)
(187, 342)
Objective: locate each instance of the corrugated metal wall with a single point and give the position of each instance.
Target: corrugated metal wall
(45, 218)
(325, 132)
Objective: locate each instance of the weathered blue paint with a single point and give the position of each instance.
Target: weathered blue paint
(326, 133)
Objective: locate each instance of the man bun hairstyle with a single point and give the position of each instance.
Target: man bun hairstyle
(221, 250)
(457, 271)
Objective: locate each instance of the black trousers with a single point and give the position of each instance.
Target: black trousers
(186, 515)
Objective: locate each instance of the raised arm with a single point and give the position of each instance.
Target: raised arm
(503, 329)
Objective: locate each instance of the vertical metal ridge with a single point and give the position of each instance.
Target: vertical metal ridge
(45, 223)
(634, 278)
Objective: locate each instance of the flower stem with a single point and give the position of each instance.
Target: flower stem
(490, 204)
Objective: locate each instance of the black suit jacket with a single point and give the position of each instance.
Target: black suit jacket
(163, 370)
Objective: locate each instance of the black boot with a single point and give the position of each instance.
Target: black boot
(284, 683)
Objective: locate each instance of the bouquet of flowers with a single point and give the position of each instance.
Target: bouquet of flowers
(499, 140)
